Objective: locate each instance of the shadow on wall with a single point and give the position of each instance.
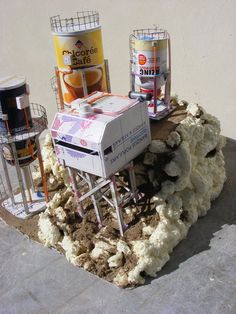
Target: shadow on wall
(222, 212)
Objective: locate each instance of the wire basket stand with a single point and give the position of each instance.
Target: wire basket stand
(83, 20)
(17, 191)
(160, 105)
(83, 23)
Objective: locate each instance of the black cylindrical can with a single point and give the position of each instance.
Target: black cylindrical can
(26, 152)
(15, 115)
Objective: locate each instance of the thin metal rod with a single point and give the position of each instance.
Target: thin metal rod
(168, 80)
(108, 82)
(82, 175)
(45, 187)
(94, 200)
(9, 186)
(126, 198)
(84, 83)
(95, 189)
(121, 223)
(72, 174)
(108, 201)
(134, 190)
(131, 64)
(31, 180)
(26, 175)
(20, 178)
(59, 91)
(155, 78)
(123, 184)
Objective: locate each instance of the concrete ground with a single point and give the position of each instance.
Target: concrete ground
(199, 278)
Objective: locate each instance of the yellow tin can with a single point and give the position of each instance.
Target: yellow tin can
(79, 55)
(72, 82)
(78, 49)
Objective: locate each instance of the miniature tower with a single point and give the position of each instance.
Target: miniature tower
(150, 70)
(21, 124)
(97, 138)
(81, 68)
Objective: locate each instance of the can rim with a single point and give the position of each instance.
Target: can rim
(150, 34)
(75, 32)
(9, 82)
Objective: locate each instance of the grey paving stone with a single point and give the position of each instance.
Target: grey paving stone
(200, 293)
(185, 261)
(222, 270)
(18, 301)
(202, 232)
(4, 246)
(165, 283)
(57, 283)
(23, 260)
(224, 241)
(9, 235)
(102, 297)
(164, 293)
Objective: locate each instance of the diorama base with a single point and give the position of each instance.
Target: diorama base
(177, 191)
(18, 210)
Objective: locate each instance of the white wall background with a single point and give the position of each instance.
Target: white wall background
(203, 37)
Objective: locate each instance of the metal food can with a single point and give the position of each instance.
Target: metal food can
(15, 115)
(72, 86)
(146, 64)
(26, 152)
(79, 55)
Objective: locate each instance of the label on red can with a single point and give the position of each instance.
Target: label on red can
(145, 62)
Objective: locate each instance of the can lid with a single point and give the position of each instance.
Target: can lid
(11, 82)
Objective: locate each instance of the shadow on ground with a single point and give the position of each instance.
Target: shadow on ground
(222, 212)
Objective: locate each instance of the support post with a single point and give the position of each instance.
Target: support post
(76, 190)
(45, 188)
(5, 169)
(155, 77)
(20, 178)
(113, 187)
(132, 181)
(84, 83)
(26, 174)
(94, 200)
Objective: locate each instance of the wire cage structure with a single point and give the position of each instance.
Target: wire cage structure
(150, 69)
(55, 86)
(82, 21)
(18, 151)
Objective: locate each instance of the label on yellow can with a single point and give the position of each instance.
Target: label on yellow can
(79, 49)
(72, 82)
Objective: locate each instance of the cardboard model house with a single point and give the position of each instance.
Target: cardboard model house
(104, 138)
